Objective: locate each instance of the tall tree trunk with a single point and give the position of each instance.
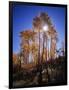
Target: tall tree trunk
(51, 49)
(27, 58)
(46, 48)
(51, 54)
(39, 65)
(39, 49)
(43, 48)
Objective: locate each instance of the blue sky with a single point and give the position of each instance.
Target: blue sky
(24, 14)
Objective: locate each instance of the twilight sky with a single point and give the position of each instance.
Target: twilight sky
(24, 14)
